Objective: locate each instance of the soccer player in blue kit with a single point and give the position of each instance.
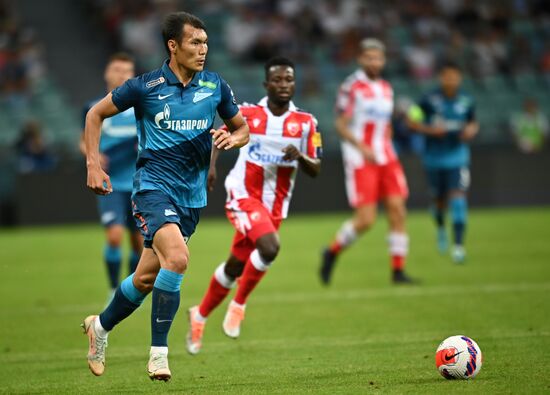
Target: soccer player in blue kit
(118, 154)
(175, 107)
(446, 116)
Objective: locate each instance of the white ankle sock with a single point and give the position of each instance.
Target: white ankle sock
(346, 234)
(99, 330)
(199, 317)
(159, 350)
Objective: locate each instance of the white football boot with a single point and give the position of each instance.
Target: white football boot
(97, 345)
(195, 332)
(233, 319)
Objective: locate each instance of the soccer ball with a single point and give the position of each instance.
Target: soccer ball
(458, 357)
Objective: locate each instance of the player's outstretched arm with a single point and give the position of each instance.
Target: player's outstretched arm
(98, 181)
(310, 166)
(235, 136)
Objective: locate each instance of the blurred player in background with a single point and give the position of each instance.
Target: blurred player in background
(373, 172)
(283, 138)
(175, 107)
(117, 155)
(446, 116)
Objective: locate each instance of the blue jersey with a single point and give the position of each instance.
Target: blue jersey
(453, 113)
(174, 123)
(119, 144)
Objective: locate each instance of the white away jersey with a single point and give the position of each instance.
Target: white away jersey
(369, 103)
(260, 171)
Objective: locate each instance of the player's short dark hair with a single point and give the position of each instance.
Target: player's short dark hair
(277, 61)
(449, 64)
(120, 56)
(172, 27)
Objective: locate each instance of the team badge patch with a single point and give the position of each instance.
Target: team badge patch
(293, 128)
(201, 96)
(156, 82)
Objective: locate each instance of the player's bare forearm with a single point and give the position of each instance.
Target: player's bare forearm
(92, 131)
(310, 166)
(82, 144)
(234, 135)
(241, 136)
(342, 127)
(470, 131)
(98, 181)
(214, 155)
(212, 172)
(342, 122)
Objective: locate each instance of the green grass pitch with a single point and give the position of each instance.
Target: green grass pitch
(361, 335)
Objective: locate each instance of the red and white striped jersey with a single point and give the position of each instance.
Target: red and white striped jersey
(369, 103)
(260, 171)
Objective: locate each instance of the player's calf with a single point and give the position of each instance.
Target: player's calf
(220, 285)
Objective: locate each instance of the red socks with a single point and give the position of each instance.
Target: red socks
(215, 294)
(397, 262)
(250, 278)
(335, 247)
(220, 284)
(254, 269)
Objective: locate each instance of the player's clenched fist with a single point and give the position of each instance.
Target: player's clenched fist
(291, 153)
(99, 181)
(222, 139)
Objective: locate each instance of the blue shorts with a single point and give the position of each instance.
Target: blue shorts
(153, 209)
(116, 209)
(442, 181)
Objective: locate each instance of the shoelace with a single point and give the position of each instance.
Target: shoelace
(100, 346)
(159, 361)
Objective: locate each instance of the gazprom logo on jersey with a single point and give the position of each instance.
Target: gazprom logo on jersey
(163, 121)
(255, 153)
(378, 114)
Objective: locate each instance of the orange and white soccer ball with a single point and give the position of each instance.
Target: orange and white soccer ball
(458, 357)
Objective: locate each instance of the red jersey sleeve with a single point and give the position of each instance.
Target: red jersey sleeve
(345, 100)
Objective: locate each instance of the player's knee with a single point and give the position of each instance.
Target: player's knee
(234, 269)
(114, 236)
(268, 246)
(114, 240)
(364, 223)
(268, 250)
(177, 260)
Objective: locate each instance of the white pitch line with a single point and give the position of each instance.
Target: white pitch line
(333, 295)
(397, 292)
(214, 347)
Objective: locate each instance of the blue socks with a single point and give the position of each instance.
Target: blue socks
(112, 256)
(459, 212)
(127, 298)
(439, 216)
(166, 300)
